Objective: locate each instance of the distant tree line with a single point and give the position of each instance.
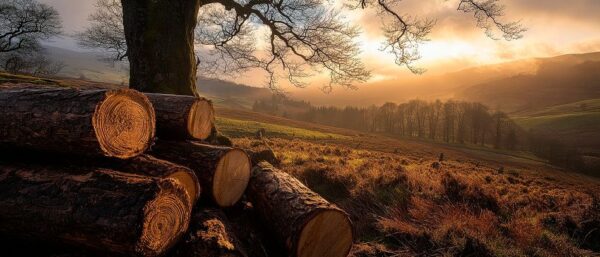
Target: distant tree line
(457, 122)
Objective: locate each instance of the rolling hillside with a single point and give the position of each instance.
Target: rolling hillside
(576, 123)
(522, 85)
(558, 80)
(232, 95)
(405, 201)
(91, 66)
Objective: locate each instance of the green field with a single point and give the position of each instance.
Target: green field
(562, 122)
(572, 116)
(244, 128)
(585, 106)
(575, 123)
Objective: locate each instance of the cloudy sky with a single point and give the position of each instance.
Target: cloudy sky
(555, 27)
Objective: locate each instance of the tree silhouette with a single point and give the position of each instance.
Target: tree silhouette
(23, 23)
(301, 38)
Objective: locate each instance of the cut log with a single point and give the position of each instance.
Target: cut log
(305, 223)
(113, 123)
(148, 165)
(182, 117)
(143, 164)
(223, 172)
(210, 235)
(97, 208)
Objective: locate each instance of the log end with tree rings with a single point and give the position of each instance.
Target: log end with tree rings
(166, 219)
(149, 165)
(327, 233)
(189, 181)
(304, 222)
(231, 177)
(124, 123)
(201, 118)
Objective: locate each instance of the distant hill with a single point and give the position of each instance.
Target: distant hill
(90, 66)
(508, 85)
(225, 93)
(558, 80)
(522, 85)
(576, 123)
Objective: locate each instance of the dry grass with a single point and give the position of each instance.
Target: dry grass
(402, 205)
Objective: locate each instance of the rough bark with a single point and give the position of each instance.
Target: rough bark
(160, 45)
(114, 123)
(210, 234)
(148, 165)
(96, 208)
(223, 172)
(303, 221)
(182, 117)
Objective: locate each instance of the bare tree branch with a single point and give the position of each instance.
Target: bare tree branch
(488, 14)
(24, 22)
(303, 37)
(106, 30)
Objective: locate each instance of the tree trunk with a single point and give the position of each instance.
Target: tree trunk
(211, 235)
(305, 223)
(160, 45)
(96, 208)
(150, 166)
(223, 171)
(182, 117)
(113, 123)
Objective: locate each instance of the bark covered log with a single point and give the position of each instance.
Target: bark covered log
(304, 222)
(223, 172)
(148, 165)
(96, 208)
(210, 234)
(114, 123)
(182, 117)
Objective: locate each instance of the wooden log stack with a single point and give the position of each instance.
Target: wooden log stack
(113, 123)
(83, 171)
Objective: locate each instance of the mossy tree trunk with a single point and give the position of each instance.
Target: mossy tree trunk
(160, 43)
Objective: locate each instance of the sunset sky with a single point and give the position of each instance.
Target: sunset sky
(555, 27)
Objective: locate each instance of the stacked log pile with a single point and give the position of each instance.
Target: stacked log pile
(118, 172)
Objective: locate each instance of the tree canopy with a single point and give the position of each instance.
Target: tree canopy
(295, 39)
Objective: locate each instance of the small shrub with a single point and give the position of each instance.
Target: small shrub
(472, 195)
(324, 182)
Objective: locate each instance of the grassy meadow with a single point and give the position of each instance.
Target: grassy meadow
(405, 200)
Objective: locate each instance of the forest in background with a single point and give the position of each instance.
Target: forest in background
(451, 121)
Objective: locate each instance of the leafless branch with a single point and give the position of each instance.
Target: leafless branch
(303, 37)
(488, 14)
(24, 22)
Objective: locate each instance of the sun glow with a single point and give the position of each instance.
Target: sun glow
(431, 51)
